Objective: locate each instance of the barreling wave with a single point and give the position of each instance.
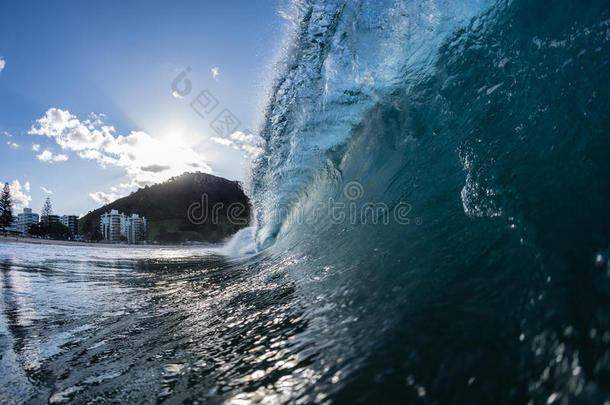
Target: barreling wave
(346, 58)
(485, 125)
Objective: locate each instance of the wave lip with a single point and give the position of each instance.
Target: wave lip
(345, 58)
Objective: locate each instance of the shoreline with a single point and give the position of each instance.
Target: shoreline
(36, 241)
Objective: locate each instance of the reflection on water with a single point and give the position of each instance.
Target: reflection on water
(189, 325)
(141, 325)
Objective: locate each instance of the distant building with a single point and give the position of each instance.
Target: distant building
(25, 220)
(110, 225)
(50, 219)
(134, 228)
(70, 221)
(115, 225)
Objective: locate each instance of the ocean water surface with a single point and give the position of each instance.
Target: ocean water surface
(97, 324)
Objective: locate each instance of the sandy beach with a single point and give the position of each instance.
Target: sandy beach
(37, 241)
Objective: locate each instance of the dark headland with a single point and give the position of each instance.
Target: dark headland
(190, 207)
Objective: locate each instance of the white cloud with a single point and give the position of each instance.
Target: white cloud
(90, 154)
(20, 198)
(215, 72)
(7, 134)
(239, 136)
(177, 95)
(103, 198)
(155, 168)
(13, 145)
(2, 64)
(47, 156)
(250, 151)
(223, 141)
(145, 159)
(248, 143)
(70, 133)
(35, 147)
(46, 190)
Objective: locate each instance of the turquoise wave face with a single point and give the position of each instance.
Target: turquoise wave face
(481, 131)
(345, 59)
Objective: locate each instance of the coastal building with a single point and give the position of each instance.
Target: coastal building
(117, 226)
(70, 221)
(25, 220)
(50, 219)
(110, 225)
(134, 228)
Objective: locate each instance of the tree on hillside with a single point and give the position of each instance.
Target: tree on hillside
(47, 211)
(96, 235)
(6, 211)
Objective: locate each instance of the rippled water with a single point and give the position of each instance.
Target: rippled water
(143, 325)
(189, 325)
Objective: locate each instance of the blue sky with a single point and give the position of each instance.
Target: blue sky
(87, 107)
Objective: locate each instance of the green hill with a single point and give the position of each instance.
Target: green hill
(189, 207)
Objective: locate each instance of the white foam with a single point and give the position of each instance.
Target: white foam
(240, 244)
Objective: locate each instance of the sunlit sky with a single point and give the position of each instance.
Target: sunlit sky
(90, 107)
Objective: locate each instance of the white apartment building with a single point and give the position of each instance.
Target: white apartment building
(134, 228)
(110, 225)
(115, 225)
